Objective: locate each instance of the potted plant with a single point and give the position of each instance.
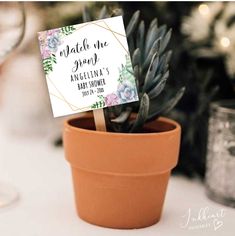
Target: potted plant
(120, 176)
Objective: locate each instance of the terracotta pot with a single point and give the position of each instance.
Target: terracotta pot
(120, 180)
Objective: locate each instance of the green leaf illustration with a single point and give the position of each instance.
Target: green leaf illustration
(67, 30)
(48, 63)
(126, 71)
(53, 58)
(99, 104)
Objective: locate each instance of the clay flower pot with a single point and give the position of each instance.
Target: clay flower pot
(120, 180)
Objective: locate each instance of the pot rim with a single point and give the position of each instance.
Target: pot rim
(68, 126)
(224, 106)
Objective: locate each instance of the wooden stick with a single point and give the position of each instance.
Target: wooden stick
(99, 120)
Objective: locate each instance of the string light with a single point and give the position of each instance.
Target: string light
(225, 42)
(204, 9)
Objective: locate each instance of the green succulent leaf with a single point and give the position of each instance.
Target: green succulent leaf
(155, 48)
(151, 71)
(136, 57)
(157, 89)
(133, 23)
(131, 44)
(159, 78)
(140, 38)
(165, 41)
(85, 15)
(166, 107)
(142, 113)
(153, 25)
(163, 64)
(123, 117)
(103, 13)
(161, 31)
(153, 82)
(136, 72)
(153, 22)
(116, 110)
(150, 38)
(116, 12)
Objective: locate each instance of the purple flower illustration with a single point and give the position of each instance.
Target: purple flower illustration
(127, 92)
(45, 53)
(53, 32)
(42, 40)
(111, 100)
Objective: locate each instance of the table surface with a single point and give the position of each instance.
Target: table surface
(46, 205)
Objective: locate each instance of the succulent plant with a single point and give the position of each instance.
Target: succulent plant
(150, 62)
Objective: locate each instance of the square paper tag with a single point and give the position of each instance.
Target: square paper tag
(87, 66)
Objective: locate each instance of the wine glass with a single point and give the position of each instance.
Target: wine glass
(12, 28)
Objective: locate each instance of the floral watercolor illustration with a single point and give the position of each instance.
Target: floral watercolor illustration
(124, 88)
(49, 41)
(111, 100)
(127, 92)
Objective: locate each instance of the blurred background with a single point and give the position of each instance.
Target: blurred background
(203, 44)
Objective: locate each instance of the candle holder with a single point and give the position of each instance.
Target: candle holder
(220, 173)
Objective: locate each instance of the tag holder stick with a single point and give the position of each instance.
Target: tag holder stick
(99, 120)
